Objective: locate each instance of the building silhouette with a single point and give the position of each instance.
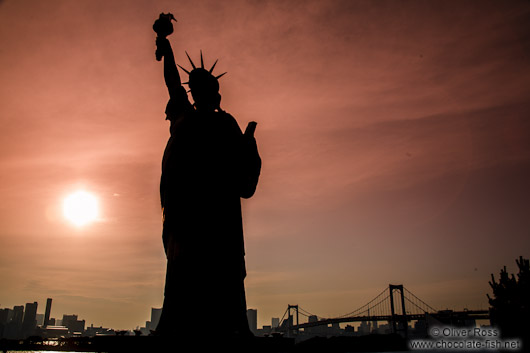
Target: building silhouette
(52, 331)
(275, 322)
(92, 331)
(47, 313)
(318, 330)
(364, 328)
(73, 324)
(29, 324)
(21, 323)
(155, 316)
(252, 317)
(5, 317)
(151, 325)
(18, 315)
(40, 319)
(13, 327)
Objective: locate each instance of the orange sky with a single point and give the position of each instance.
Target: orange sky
(394, 138)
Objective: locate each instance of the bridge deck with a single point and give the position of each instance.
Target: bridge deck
(462, 315)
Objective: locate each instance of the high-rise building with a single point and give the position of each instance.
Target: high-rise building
(5, 316)
(13, 325)
(148, 327)
(73, 324)
(30, 319)
(4, 319)
(48, 311)
(155, 317)
(364, 328)
(68, 320)
(18, 314)
(374, 326)
(275, 322)
(16, 323)
(252, 316)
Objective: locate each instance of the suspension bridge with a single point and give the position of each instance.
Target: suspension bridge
(395, 304)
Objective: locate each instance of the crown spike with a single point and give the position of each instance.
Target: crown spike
(202, 62)
(221, 75)
(211, 70)
(183, 69)
(191, 62)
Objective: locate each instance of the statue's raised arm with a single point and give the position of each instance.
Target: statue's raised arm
(178, 102)
(163, 27)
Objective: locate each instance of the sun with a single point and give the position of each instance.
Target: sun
(81, 208)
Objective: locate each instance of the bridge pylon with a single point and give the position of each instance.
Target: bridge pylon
(290, 330)
(398, 318)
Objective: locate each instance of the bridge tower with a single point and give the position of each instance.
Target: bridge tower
(290, 319)
(397, 318)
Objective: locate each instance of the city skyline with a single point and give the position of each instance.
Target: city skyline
(30, 315)
(374, 317)
(393, 137)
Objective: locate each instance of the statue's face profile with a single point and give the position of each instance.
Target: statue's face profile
(204, 89)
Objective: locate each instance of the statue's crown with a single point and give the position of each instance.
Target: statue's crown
(200, 78)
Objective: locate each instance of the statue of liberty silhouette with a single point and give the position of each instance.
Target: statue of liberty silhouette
(207, 167)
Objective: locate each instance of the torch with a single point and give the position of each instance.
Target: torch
(163, 28)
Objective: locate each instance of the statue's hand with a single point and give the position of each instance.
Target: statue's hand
(163, 26)
(162, 47)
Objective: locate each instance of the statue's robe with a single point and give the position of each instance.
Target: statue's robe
(208, 166)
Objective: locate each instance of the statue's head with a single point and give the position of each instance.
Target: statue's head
(204, 86)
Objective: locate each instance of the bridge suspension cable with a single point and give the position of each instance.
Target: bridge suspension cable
(418, 303)
(306, 313)
(381, 297)
(283, 317)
